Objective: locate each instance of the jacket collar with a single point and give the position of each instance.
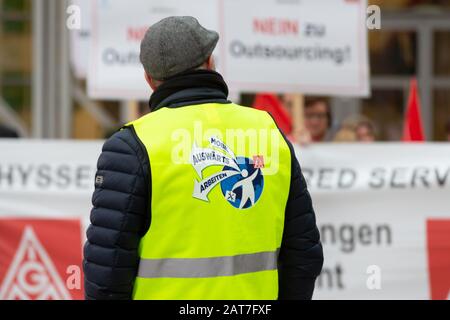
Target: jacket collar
(190, 88)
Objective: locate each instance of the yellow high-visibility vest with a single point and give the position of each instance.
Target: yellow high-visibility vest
(220, 179)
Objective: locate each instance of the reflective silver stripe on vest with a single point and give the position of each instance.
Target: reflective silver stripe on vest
(208, 267)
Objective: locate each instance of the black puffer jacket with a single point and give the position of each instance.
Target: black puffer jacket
(121, 213)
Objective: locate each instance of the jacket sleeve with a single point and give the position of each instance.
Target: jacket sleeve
(119, 218)
(301, 255)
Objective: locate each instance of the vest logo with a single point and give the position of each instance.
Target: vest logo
(241, 179)
(36, 270)
(259, 162)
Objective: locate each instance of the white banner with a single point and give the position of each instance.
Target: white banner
(383, 211)
(384, 216)
(45, 192)
(117, 30)
(309, 46)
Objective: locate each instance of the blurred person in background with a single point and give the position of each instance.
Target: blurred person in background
(345, 135)
(318, 119)
(356, 129)
(6, 132)
(365, 131)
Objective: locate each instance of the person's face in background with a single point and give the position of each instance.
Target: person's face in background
(364, 134)
(316, 120)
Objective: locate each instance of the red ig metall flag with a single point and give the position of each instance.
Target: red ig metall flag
(40, 259)
(413, 128)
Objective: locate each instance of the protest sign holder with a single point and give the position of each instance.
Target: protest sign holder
(296, 102)
(133, 110)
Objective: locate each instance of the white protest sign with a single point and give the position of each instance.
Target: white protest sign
(115, 70)
(308, 46)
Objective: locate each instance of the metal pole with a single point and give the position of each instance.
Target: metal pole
(425, 77)
(38, 69)
(65, 77)
(124, 114)
(51, 68)
(297, 103)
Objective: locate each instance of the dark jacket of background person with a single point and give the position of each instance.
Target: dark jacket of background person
(121, 215)
(6, 132)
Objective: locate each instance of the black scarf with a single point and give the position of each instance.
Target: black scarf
(182, 88)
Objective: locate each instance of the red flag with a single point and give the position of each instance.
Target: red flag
(272, 104)
(413, 128)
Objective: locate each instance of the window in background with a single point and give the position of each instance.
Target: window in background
(442, 84)
(393, 59)
(442, 114)
(86, 126)
(393, 53)
(442, 53)
(385, 109)
(16, 57)
(402, 4)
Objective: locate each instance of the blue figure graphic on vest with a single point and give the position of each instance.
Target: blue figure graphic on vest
(243, 190)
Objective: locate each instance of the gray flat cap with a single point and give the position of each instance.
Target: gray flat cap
(174, 45)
